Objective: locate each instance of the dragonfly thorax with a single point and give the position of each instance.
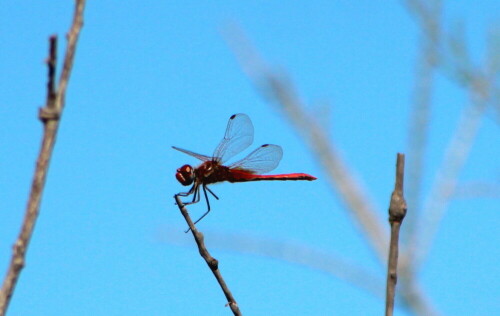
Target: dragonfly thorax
(185, 175)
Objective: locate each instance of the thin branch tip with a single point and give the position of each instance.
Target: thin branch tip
(397, 206)
(51, 74)
(212, 263)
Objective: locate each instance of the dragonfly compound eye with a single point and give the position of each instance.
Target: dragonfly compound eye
(185, 175)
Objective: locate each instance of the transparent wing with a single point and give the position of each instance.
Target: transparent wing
(239, 135)
(199, 156)
(263, 159)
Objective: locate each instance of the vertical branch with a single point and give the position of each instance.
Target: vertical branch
(212, 263)
(49, 115)
(397, 212)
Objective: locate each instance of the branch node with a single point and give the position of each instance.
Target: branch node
(397, 208)
(46, 114)
(213, 263)
(19, 250)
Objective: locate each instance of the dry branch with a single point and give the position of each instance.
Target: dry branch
(212, 263)
(50, 116)
(397, 212)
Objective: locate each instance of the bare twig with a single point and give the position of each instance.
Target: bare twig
(397, 212)
(212, 263)
(49, 115)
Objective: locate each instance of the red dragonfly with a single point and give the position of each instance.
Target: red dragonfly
(238, 137)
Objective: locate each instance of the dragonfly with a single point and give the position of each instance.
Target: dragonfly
(238, 137)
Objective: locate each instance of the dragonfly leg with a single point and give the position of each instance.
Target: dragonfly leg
(205, 188)
(193, 188)
(208, 204)
(215, 196)
(196, 197)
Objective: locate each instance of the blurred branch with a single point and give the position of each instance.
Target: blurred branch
(452, 57)
(50, 116)
(427, 14)
(277, 88)
(477, 189)
(212, 263)
(493, 64)
(411, 298)
(397, 213)
(303, 255)
(482, 84)
(481, 87)
(446, 179)
(429, 19)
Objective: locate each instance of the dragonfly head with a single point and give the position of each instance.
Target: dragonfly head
(185, 175)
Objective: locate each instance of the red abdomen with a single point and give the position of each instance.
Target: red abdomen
(243, 176)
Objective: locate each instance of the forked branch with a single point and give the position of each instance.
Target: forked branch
(49, 115)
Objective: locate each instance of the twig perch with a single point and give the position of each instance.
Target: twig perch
(50, 116)
(212, 263)
(397, 212)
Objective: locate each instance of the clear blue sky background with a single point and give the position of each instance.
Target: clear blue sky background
(149, 75)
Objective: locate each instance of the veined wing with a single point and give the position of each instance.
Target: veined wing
(264, 159)
(238, 136)
(199, 156)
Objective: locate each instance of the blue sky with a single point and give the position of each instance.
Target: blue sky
(109, 240)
